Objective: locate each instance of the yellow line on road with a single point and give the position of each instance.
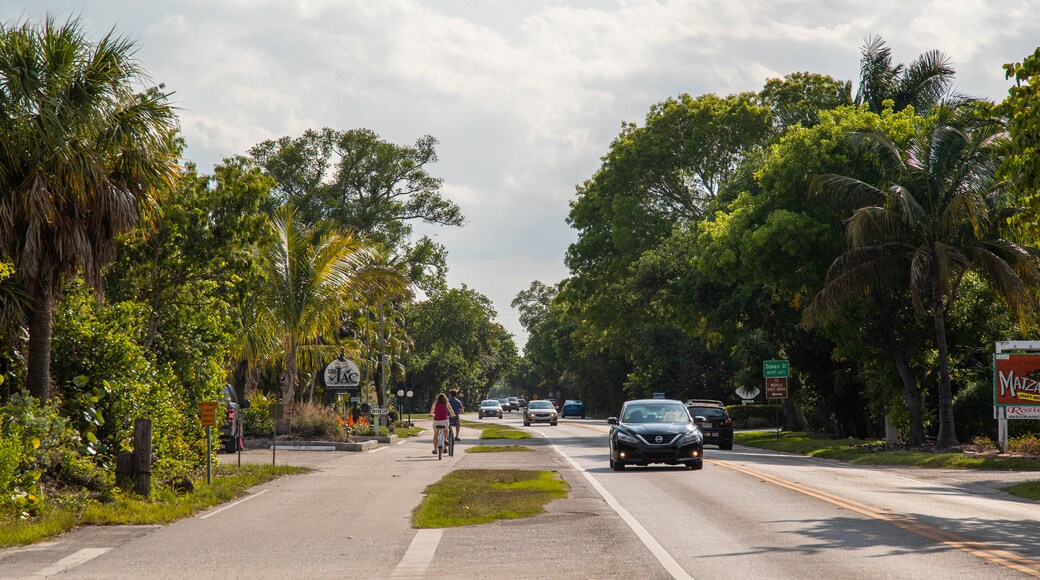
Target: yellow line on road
(978, 549)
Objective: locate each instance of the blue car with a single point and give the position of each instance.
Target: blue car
(572, 408)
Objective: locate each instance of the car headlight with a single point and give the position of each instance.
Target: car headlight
(691, 436)
(625, 437)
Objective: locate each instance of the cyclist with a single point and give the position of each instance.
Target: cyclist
(441, 412)
(456, 407)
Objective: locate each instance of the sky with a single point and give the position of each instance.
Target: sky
(523, 96)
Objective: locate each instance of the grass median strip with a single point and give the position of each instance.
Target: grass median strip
(497, 448)
(165, 505)
(475, 496)
(496, 430)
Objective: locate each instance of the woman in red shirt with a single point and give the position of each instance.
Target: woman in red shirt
(442, 413)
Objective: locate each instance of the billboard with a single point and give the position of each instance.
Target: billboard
(1016, 379)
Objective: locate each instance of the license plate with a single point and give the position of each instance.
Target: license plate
(713, 434)
(706, 425)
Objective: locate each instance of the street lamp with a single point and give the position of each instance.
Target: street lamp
(409, 395)
(400, 393)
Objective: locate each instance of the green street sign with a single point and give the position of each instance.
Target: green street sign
(772, 369)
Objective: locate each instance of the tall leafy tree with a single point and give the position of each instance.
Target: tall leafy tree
(313, 276)
(84, 156)
(921, 84)
(799, 97)
(355, 179)
(937, 213)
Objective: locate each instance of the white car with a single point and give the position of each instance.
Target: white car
(541, 411)
(490, 408)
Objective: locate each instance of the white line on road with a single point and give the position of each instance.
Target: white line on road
(644, 536)
(231, 505)
(69, 562)
(377, 449)
(419, 554)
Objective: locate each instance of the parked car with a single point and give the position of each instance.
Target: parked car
(514, 403)
(540, 412)
(655, 431)
(572, 408)
(490, 408)
(716, 425)
(506, 405)
(231, 427)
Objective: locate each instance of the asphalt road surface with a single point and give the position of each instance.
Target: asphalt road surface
(747, 514)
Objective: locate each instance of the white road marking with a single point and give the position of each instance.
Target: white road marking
(662, 555)
(377, 449)
(231, 505)
(419, 554)
(71, 561)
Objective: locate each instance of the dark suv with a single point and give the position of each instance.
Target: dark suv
(716, 426)
(231, 426)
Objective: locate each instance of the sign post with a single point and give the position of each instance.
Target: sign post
(208, 418)
(775, 373)
(276, 411)
(1016, 384)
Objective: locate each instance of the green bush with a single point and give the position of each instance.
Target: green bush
(1029, 444)
(753, 416)
(973, 412)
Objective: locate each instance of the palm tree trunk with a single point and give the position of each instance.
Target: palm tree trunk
(288, 387)
(947, 434)
(901, 357)
(38, 367)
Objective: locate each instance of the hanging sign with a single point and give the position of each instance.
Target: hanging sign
(342, 374)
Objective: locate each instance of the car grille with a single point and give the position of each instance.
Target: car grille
(659, 453)
(666, 438)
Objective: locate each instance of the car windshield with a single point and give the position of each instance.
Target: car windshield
(539, 405)
(708, 412)
(656, 413)
(572, 403)
(489, 404)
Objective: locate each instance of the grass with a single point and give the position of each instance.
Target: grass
(406, 432)
(1029, 489)
(475, 496)
(165, 505)
(497, 448)
(496, 430)
(857, 452)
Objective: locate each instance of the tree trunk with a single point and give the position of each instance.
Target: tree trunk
(901, 357)
(38, 367)
(947, 434)
(288, 388)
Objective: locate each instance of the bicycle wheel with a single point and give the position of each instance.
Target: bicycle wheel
(451, 442)
(440, 444)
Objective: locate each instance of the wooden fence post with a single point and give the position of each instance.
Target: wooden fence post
(143, 457)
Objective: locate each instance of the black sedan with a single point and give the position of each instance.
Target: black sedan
(655, 431)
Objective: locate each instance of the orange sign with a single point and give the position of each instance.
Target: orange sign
(1016, 380)
(208, 413)
(776, 388)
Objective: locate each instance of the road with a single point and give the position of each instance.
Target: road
(747, 514)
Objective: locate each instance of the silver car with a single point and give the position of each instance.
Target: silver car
(539, 412)
(490, 408)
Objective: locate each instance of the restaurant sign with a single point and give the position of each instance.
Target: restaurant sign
(1016, 379)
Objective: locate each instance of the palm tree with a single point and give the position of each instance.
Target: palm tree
(83, 158)
(940, 214)
(313, 277)
(921, 84)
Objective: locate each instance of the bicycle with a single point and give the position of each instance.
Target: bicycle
(439, 435)
(451, 441)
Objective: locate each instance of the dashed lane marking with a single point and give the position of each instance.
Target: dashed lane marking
(71, 561)
(419, 554)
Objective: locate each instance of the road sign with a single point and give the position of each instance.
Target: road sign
(276, 411)
(658, 395)
(776, 388)
(378, 411)
(1016, 379)
(776, 368)
(208, 413)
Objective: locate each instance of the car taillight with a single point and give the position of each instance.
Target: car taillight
(231, 415)
(728, 422)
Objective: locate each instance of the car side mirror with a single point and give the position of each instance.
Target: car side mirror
(245, 404)
(698, 420)
(612, 421)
